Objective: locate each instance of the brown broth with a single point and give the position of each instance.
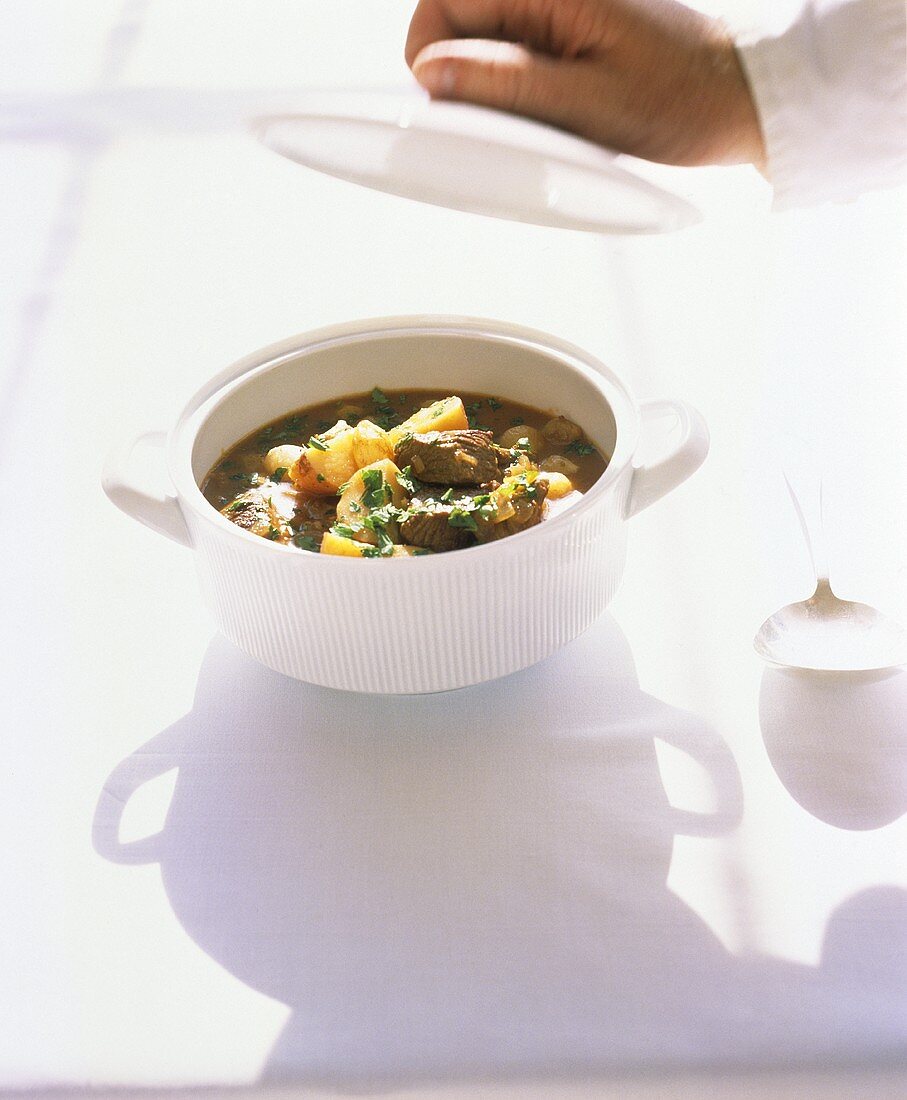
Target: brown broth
(242, 466)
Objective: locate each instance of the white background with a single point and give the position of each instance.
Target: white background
(146, 242)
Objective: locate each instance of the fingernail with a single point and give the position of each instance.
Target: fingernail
(437, 79)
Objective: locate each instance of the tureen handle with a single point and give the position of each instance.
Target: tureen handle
(162, 754)
(652, 480)
(159, 511)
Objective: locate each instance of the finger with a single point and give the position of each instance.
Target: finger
(437, 20)
(581, 96)
(565, 28)
(505, 76)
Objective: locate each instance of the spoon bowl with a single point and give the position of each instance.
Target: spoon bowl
(826, 633)
(829, 634)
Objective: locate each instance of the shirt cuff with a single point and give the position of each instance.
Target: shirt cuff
(831, 94)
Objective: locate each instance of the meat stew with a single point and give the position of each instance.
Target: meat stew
(401, 474)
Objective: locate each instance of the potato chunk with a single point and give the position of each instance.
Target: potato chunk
(559, 485)
(283, 458)
(327, 462)
(343, 547)
(369, 490)
(447, 415)
(371, 444)
(334, 456)
(349, 548)
(366, 491)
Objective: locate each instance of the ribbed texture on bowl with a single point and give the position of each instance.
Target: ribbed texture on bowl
(432, 624)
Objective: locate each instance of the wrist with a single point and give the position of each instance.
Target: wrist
(738, 133)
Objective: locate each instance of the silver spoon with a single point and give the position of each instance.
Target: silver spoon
(826, 633)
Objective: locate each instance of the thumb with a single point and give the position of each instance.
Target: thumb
(502, 75)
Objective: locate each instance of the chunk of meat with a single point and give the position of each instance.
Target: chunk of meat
(255, 513)
(528, 503)
(313, 516)
(466, 457)
(429, 526)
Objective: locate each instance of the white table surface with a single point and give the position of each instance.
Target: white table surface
(648, 863)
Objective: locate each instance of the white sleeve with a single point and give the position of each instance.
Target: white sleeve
(831, 93)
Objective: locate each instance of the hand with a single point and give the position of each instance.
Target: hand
(647, 77)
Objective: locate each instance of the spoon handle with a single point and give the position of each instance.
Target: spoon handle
(813, 533)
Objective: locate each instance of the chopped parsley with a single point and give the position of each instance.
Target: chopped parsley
(578, 447)
(449, 495)
(493, 403)
(485, 507)
(319, 477)
(344, 530)
(306, 542)
(406, 481)
(381, 516)
(522, 445)
(279, 473)
(464, 512)
(377, 492)
(377, 524)
(385, 542)
(291, 429)
(387, 416)
(525, 482)
(462, 517)
(273, 532)
(317, 444)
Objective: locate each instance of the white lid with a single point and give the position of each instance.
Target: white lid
(472, 158)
